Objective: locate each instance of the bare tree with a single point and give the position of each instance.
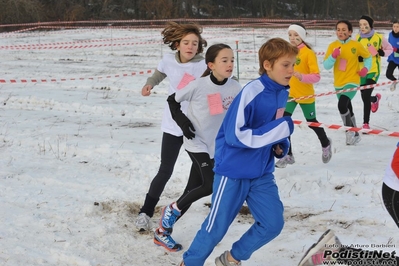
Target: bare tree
(21, 11)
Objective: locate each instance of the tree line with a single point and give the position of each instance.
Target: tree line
(27, 11)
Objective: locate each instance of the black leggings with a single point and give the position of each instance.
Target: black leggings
(200, 181)
(345, 104)
(390, 69)
(320, 132)
(367, 100)
(391, 202)
(169, 152)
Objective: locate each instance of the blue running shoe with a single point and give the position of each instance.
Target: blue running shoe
(166, 241)
(168, 219)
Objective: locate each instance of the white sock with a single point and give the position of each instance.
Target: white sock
(174, 206)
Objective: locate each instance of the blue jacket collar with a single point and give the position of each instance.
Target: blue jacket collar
(271, 85)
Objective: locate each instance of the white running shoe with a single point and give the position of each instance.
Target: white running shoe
(352, 138)
(315, 254)
(326, 152)
(288, 159)
(143, 222)
(393, 86)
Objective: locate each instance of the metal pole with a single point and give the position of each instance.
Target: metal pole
(238, 62)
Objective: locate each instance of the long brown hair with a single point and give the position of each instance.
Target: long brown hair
(173, 33)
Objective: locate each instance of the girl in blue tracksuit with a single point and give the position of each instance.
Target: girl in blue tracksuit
(393, 59)
(253, 132)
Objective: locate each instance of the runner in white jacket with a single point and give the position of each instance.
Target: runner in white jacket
(181, 67)
(209, 99)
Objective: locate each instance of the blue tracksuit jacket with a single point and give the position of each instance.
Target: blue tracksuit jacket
(244, 144)
(394, 41)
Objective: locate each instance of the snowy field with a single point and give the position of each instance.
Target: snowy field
(79, 147)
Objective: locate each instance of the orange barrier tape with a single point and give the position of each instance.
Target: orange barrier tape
(342, 91)
(14, 81)
(48, 47)
(255, 51)
(354, 129)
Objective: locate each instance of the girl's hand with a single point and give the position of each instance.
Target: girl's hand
(363, 72)
(277, 150)
(336, 52)
(146, 90)
(298, 75)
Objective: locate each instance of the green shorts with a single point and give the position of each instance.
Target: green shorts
(349, 94)
(308, 109)
(373, 76)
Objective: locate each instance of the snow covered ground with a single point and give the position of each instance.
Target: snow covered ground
(79, 148)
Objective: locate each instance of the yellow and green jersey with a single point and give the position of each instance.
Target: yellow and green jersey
(374, 41)
(306, 63)
(346, 65)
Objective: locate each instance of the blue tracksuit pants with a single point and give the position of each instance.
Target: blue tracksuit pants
(261, 195)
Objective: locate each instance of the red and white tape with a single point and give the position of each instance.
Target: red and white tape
(34, 32)
(74, 46)
(144, 21)
(342, 91)
(75, 43)
(14, 81)
(354, 129)
(81, 44)
(255, 52)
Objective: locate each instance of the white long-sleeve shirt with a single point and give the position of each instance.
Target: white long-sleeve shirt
(198, 94)
(177, 73)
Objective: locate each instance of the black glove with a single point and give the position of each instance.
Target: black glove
(188, 129)
(180, 118)
(360, 59)
(381, 52)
